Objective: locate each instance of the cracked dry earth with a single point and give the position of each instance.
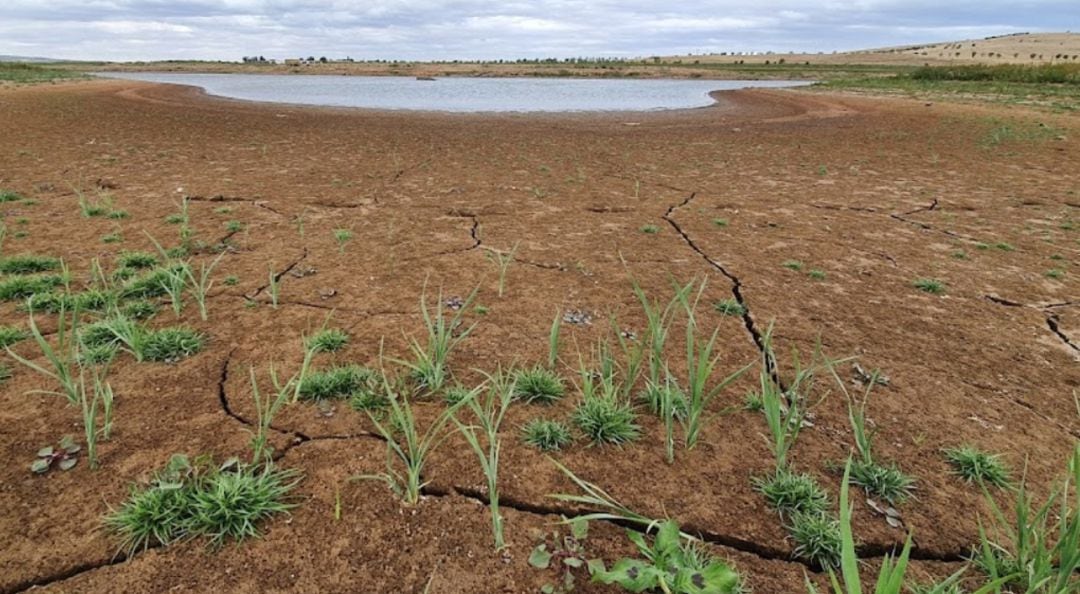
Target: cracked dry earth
(874, 193)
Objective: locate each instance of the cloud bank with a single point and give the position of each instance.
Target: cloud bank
(487, 29)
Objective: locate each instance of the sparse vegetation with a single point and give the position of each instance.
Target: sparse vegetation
(546, 435)
(976, 466)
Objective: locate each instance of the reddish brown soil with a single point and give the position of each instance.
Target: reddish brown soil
(875, 193)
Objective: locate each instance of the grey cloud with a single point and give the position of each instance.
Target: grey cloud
(449, 29)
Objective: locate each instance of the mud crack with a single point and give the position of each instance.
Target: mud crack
(736, 288)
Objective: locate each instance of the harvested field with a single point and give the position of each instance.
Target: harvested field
(815, 213)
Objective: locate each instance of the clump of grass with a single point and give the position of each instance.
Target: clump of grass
(790, 492)
(191, 499)
(546, 435)
(337, 383)
(729, 307)
(650, 229)
(136, 260)
(538, 386)
(720, 222)
(816, 274)
(139, 309)
(117, 215)
(114, 237)
(753, 402)
(171, 344)
(152, 283)
(792, 265)
(234, 226)
(1055, 273)
(817, 538)
(607, 420)
(327, 340)
(231, 281)
(266, 409)
(10, 335)
(929, 285)
(28, 264)
(9, 196)
(452, 395)
(429, 366)
(657, 401)
(976, 466)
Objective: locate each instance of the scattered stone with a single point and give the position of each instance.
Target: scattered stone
(327, 293)
(302, 271)
(864, 378)
(454, 303)
(578, 317)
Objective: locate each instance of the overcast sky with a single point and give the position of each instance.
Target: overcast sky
(464, 29)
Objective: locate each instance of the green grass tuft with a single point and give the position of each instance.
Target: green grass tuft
(929, 285)
(24, 287)
(975, 465)
(730, 307)
(791, 493)
(10, 335)
(538, 386)
(171, 344)
(329, 340)
(607, 420)
(817, 538)
(28, 264)
(546, 435)
(887, 482)
(338, 382)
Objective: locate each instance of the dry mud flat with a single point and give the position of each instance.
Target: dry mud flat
(872, 193)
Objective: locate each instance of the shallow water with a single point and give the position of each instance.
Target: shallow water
(460, 94)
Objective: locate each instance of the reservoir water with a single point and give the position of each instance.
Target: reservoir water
(460, 94)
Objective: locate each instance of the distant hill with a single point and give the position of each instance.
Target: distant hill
(1018, 48)
(31, 59)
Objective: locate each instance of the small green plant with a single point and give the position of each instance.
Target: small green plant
(730, 307)
(817, 538)
(484, 439)
(327, 340)
(670, 566)
(1004, 246)
(700, 365)
(929, 285)
(88, 406)
(565, 554)
(790, 492)
(193, 498)
(62, 360)
(887, 482)
(10, 335)
(816, 274)
(9, 196)
(92, 209)
(546, 435)
(223, 210)
(114, 237)
(341, 236)
(234, 226)
(139, 309)
(231, 281)
(28, 264)
(63, 455)
(753, 402)
(429, 366)
(792, 265)
(136, 260)
(538, 386)
(502, 261)
(170, 345)
(1055, 273)
(650, 229)
(172, 283)
(976, 466)
(605, 419)
(720, 222)
(407, 445)
(337, 383)
(118, 215)
(266, 409)
(201, 283)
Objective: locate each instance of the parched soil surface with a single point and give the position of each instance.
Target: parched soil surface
(873, 193)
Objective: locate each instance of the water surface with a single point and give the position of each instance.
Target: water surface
(460, 94)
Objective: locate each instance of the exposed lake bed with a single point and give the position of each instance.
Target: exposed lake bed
(460, 94)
